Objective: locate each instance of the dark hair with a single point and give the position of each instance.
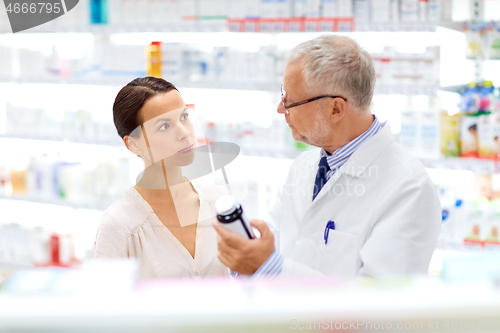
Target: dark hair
(131, 99)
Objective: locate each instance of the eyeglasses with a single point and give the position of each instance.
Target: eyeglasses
(283, 92)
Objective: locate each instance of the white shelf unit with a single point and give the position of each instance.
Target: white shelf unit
(111, 143)
(472, 248)
(381, 89)
(186, 26)
(97, 205)
(398, 27)
(476, 165)
(221, 26)
(121, 81)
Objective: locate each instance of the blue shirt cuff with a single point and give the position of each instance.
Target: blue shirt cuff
(232, 273)
(271, 267)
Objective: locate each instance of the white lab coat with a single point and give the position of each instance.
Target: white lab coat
(385, 207)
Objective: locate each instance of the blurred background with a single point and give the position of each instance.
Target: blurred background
(62, 162)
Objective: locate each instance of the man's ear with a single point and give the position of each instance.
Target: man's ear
(338, 108)
(132, 145)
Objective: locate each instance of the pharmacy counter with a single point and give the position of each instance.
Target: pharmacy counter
(404, 304)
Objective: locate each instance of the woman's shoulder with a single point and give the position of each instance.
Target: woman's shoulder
(126, 211)
(209, 191)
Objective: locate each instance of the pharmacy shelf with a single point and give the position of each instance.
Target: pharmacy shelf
(458, 89)
(458, 25)
(476, 165)
(409, 90)
(271, 86)
(4, 264)
(109, 143)
(461, 25)
(276, 153)
(247, 151)
(197, 26)
(397, 27)
(235, 85)
(98, 205)
(472, 247)
(101, 81)
(180, 26)
(121, 81)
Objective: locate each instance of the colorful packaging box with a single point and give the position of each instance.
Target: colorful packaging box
(469, 136)
(474, 32)
(494, 40)
(474, 218)
(488, 132)
(492, 223)
(450, 135)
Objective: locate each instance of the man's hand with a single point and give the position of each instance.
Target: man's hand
(244, 255)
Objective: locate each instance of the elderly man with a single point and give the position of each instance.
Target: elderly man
(357, 205)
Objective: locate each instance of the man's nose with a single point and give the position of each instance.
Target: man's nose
(280, 108)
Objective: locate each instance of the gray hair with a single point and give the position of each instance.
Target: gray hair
(337, 64)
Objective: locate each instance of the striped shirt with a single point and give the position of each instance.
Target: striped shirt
(337, 159)
(274, 264)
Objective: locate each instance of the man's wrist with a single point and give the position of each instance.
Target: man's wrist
(272, 266)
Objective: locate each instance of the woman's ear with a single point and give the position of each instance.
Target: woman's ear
(132, 145)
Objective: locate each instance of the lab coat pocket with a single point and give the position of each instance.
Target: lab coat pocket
(339, 256)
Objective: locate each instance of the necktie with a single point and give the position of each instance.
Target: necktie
(320, 181)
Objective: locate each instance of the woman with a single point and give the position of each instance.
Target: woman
(164, 220)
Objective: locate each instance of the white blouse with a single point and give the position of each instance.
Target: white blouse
(130, 228)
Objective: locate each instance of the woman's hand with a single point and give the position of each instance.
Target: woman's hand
(244, 255)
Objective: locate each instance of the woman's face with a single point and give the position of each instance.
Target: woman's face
(167, 132)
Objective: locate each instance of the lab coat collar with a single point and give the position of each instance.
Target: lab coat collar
(362, 157)
(356, 165)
